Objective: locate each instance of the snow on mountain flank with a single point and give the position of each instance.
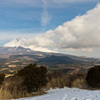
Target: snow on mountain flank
(67, 94)
(26, 44)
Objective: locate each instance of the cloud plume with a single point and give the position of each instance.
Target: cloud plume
(45, 17)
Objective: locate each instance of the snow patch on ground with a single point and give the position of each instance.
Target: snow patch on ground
(67, 94)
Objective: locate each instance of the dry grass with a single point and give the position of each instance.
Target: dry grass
(13, 89)
(60, 80)
(5, 94)
(56, 80)
(79, 83)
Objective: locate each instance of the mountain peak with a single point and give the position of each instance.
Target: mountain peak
(21, 42)
(16, 42)
(19, 39)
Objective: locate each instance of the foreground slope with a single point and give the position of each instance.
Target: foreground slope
(67, 94)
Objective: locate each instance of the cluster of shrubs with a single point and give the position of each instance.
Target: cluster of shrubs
(36, 79)
(30, 79)
(79, 79)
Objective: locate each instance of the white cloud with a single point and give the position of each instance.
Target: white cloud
(35, 48)
(81, 49)
(81, 33)
(40, 41)
(45, 17)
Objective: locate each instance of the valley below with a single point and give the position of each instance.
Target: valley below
(13, 59)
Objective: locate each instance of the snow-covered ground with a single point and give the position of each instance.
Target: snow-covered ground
(67, 94)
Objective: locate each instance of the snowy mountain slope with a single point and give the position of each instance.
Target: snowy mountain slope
(16, 42)
(26, 44)
(67, 94)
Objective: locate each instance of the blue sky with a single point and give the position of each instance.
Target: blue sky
(24, 16)
(28, 18)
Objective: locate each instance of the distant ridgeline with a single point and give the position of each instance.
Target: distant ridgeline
(14, 58)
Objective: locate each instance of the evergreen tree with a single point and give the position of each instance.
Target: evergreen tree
(2, 77)
(34, 77)
(93, 77)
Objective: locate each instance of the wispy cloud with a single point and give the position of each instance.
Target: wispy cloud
(45, 17)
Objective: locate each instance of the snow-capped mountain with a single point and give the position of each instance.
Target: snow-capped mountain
(16, 43)
(21, 42)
